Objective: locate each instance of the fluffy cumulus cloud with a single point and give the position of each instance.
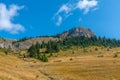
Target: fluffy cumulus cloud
(67, 9)
(86, 5)
(6, 17)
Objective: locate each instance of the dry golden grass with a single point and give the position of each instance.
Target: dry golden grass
(73, 64)
(85, 64)
(13, 68)
(84, 68)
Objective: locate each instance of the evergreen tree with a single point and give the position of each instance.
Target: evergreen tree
(43, 45)
(32, 51)
(37, 45)
(49, 48)
(52, 47)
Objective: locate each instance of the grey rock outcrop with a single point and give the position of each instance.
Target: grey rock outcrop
(78, 32)
(5, 43)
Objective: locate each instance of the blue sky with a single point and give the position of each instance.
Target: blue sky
(30, 18)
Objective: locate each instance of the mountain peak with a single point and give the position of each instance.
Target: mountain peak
(78, 32)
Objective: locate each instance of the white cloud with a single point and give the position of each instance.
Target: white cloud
(67, 9)
(6, 17)
(64, 8)
(59, 21)
(86, 5)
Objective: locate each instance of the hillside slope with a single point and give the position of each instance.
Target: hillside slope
(83, 64)
(13, 68)
(25, 44)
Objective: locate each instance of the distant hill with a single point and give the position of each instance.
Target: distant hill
(25, 44)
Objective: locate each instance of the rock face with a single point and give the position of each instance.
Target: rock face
(76, 32)
(4, 43)
(12, 44)
(27, 43)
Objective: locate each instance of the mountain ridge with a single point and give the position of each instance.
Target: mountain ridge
(26, 43)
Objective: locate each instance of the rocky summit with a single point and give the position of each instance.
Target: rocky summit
(78, 32)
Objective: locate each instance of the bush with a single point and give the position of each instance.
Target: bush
(115, 55)
(108, 49)
(6, 52)
(71, 59)
(43, 58)
(51, 54)
(96, 49)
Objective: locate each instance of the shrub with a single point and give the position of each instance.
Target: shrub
(108, 49)
(43, 58)
(115, 55)
(96, 49)
(71, 59)
(51, 54)
(6, 52)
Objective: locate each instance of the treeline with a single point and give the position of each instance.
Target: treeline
(34, 52)
(50, 47)
(93, 41)
(56, 46)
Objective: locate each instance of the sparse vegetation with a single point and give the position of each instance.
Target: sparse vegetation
(71, 59)
(6, 52)
(116, 54)
(96, 49)
(67, 43)
(66, 64)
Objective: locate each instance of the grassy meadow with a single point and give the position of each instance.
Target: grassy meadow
(91, 63)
